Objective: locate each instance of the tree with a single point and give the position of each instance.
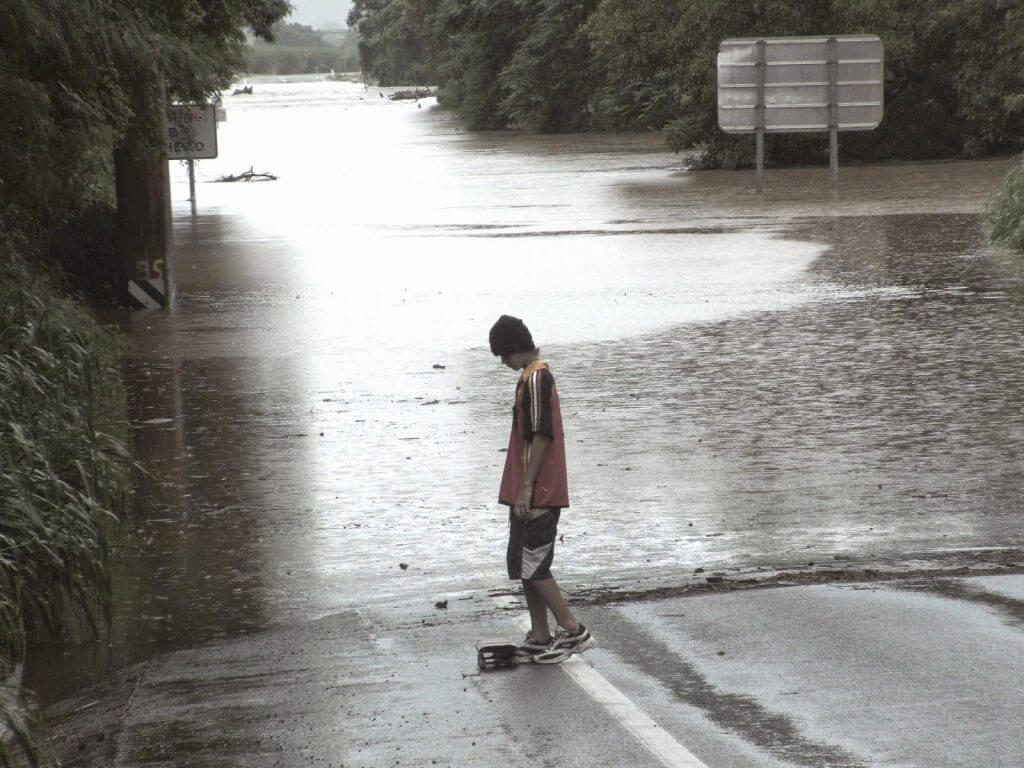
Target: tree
(476, 41)
(191, 49)
(949, 67)
(83, 81)
(296, 34)
(78, 79)
(79, 82)
(549, 79)
(954, 74)
(64, 106)
(639, 57)
(394, 44)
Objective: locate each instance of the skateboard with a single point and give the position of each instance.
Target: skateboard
(492, 655)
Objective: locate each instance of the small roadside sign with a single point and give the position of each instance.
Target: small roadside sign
(191, 132)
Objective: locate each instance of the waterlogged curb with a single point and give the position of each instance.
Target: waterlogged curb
(932, 565)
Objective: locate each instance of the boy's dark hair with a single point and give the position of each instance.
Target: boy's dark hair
(510, 335)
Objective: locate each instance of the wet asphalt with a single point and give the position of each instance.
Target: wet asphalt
(792, 390)
(914, 673)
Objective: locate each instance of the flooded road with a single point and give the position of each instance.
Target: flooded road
(760, 380)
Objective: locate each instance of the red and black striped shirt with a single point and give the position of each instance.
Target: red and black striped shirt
(536, 411)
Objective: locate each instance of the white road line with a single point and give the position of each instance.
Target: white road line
(651, 736)
(656, 739)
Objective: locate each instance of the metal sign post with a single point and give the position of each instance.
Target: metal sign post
(192, 184)
(759, 122)
(800, 84)
(833, 110)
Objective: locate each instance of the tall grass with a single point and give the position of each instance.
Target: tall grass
(64, 471)
(1004, 217)
(21, 725)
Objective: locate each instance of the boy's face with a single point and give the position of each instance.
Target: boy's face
(516, 360)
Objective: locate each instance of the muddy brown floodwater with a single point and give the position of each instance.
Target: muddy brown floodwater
(745, 380)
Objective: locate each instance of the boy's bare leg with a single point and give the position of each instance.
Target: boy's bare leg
(542, 595)
(538, 612)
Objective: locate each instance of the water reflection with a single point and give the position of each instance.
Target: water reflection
(886, 423)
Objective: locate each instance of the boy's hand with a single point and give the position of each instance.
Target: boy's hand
(539, 445)
(521, 509)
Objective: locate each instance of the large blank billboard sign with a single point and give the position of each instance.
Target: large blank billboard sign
(800, 84)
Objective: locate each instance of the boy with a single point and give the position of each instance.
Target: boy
(535, 487)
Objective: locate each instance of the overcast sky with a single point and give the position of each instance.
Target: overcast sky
(317, 13)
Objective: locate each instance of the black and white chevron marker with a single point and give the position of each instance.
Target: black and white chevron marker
(148, 294)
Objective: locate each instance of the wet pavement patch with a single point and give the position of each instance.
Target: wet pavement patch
(1010, 609)
(773, 732)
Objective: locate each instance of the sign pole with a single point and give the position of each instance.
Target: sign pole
(833, 111)
(192, 184)
(759, 110)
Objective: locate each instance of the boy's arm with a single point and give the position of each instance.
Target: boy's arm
(539, 445)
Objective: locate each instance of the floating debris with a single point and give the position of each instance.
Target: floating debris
(411, 93)
(249, 175)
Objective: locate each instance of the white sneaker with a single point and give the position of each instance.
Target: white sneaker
(529, 648)
(565, 645)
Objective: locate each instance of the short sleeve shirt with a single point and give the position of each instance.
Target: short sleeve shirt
(533, 405)
(537, 411)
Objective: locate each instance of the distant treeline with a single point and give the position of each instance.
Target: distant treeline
(954, 72)
(299, 50)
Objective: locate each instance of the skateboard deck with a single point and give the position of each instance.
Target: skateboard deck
(492, 655)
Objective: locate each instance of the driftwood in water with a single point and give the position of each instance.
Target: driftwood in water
(246, 91)
(414, 93)
(249, 176)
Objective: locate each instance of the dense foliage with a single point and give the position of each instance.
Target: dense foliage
(393, 44)
(482, 38)
(78, 82)
(293, 34)
(67, 73)
(64, 468)
(954, 68)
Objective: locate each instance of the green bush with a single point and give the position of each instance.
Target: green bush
(1004, 217)
(64, 469)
